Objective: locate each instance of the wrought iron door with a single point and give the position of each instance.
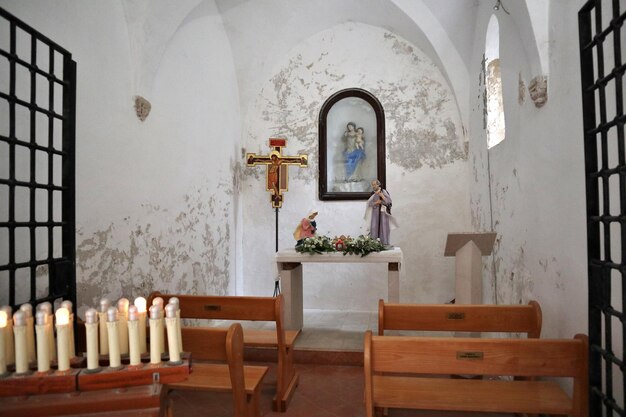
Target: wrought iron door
(37, 166)
(602, 43)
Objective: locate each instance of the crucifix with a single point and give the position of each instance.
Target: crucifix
(276, 177)
(277, 180)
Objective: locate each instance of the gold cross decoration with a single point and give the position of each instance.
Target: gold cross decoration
(277, 179)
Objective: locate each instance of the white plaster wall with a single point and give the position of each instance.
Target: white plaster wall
(537, 176)
(155, 200)
(427, 171)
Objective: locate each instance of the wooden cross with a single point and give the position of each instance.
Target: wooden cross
(277, 179)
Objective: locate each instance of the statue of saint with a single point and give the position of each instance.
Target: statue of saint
(306, 228)
(379, 213)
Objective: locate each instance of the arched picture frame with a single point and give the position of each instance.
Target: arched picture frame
(352, 145)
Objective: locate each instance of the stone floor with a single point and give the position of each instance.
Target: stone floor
(334, 390)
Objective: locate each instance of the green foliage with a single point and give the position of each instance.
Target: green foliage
(361, 245)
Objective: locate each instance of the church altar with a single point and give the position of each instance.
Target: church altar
(289, 263)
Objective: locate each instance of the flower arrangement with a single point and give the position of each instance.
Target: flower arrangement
(361, 245)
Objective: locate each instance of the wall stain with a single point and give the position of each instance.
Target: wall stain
(423, 127)
(190, 254)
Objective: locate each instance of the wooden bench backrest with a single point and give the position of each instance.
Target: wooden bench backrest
(461, 318)
(212, 307)
(475, 356)
(449, 355)
(224, 307)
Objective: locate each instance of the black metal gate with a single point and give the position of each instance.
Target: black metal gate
(602, 69)
(37, 166)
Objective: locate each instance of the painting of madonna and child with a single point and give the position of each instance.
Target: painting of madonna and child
(352, 146)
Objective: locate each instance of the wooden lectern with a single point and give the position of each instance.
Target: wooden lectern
(469, 248)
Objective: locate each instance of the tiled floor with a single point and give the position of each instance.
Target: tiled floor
(324, 390)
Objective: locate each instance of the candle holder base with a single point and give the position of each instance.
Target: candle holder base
(116, 368)
(130, 376)
(134, 367)
(25, 373)
(155, 365)
(5, 375)
(63, 373)
(92, 371)
(175, 363)
(44, 373)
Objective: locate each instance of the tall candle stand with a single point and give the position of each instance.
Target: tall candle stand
(9, 341)
(122, 323)
(3, 351)
(103, 331)
(27, 309)
(91, 333)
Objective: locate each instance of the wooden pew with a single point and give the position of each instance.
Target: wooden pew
(222, 345)
(250, 309)
(461, 318)
(397, 370)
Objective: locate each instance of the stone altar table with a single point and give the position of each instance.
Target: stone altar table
(290, 262)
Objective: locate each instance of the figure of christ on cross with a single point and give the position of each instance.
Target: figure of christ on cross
(277, 169)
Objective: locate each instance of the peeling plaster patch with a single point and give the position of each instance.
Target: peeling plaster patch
(189, 254)
(423, 127)
(515, 284)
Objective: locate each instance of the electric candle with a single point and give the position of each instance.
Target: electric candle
(3, 331)
(43, 353)
(158, 302)
(62, 316)
(30, 331)
(122, 309)
(102, 319)
(9, 345)
(176, 302)
(172, 334)
(140, 303)
(91, 327)
(68, 305)
(47, 308)
(21, 352)
(114, 343)
(156, 334)
(133, 336)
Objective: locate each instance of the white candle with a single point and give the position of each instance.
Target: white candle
(43, 352)
(21, 352)
(140, 303)
(30, 331)
(122, 318)
(72, 349)
(3, 331)
(133, 336)
(176, 302)
(172, 333)
(9, 345)
(91, 330)
(158, 302)
(102, 319)
(47, 308)
(115, 360)
(156, 334)
(63, 338)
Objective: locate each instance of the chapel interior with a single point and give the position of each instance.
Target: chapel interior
(484, 131)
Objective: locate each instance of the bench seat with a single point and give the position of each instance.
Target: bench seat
(267, 338)
(473, 395)
(216, 377)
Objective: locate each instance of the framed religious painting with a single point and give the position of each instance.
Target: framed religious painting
(352, 145)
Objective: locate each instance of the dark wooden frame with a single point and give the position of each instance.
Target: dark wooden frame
(324, 194)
